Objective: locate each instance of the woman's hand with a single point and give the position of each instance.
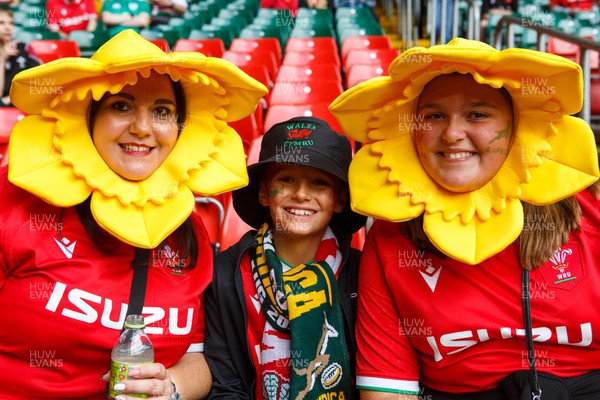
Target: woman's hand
(151, 379)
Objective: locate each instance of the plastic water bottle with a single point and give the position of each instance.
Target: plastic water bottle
(132, 349)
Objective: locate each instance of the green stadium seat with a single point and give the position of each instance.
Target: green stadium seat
(27, 35)
(161, 32)
(257, 32)
(311, 32)
(182, 26)
(88, 42)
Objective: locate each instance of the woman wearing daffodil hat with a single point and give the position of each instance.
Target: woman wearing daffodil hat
(104, 167)
(485, 190)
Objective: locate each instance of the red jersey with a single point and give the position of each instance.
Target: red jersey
(458, 328)
(70, 15)
(64, 301)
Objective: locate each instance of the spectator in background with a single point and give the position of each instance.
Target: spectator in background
(13, 55)
(503, 7)
(119, 15)
(65, 16)
(355, 3)
(10, 3)
(280, 4)
(164, 10)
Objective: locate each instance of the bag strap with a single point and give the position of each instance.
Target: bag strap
(536, 393)
(137, 294)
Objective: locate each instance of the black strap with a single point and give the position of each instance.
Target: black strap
(137, 293)
(536, 393)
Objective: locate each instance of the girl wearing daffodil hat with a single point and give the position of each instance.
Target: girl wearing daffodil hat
(105, 167)
(488, 231)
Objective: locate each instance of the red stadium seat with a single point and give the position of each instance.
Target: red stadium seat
(208, 47)
(242, 45)
(257, 57)
(161, 44)
(9, 116)
(562, 48)
(595, 96)
(301, 73)
(305, 92)
(212, 211)
(381, 57)
(360, 73)
(311, 58)
(233, 227)
(47, 50)
(311, 44)
(364, 42)
(248, 130)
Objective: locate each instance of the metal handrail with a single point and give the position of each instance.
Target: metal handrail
(217, 203)
(585, 45)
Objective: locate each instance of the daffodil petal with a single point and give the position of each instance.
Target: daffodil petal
(146, 226)
(563, 172)
(477, 240)
(44, 164)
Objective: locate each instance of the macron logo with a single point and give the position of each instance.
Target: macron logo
(431, 275)
(67, 248)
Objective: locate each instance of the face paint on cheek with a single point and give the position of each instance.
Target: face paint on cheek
(504, 133)
(275, 192)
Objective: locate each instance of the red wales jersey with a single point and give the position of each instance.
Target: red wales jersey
(458, 328)
(70, 15)
(64, 301)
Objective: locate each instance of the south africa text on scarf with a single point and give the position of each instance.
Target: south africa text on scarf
(302, 304)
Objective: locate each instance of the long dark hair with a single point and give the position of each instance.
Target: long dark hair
(186, 240)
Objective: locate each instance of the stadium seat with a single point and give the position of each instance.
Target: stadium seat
(305, 58)
(303, 73)
(28, 35)
(209, 31)
(212, 212)
(248, 129)
(361, 72)
(233, 228)
(311, 44)
(595, 96)
(371, 30)
(161, 44)
(305, 92)
(364, 42)
(161, 32)
(381, 57)
(253, 31)
(250, 45)
(563, 48)
(88, 42)
(47, 50)
(208, 47)
(9, 116)
(257, 57)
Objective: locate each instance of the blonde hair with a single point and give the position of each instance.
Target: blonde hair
(545, 229)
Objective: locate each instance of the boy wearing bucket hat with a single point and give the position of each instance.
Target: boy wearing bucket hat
(280, 309)
(101, 180)
(479, 279)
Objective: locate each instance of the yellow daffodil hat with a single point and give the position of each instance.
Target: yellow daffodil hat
(51, 153)
(553, 155)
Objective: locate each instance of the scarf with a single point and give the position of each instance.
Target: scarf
(303, 351)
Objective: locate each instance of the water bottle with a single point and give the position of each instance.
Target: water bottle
(132, 349)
